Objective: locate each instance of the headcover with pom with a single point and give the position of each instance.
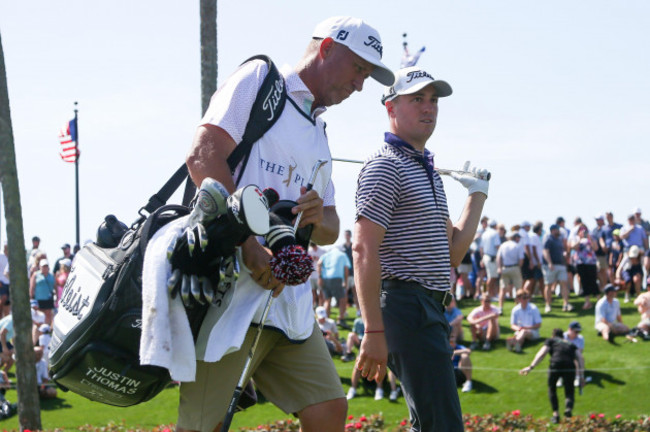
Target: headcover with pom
(291, 264)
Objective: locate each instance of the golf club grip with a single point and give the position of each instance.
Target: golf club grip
(231, 409)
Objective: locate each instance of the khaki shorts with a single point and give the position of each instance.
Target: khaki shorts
(490, 267)
(292, 376)
(617, 327)
(602, 263)
(511, 275)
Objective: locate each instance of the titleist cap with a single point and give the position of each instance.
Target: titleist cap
(413, 79)
(362, 39)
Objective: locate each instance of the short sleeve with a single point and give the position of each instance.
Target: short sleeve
(231, 104)
(378, 191)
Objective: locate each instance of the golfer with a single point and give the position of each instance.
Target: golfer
(404, 250)
(291, 364)
(566, 360)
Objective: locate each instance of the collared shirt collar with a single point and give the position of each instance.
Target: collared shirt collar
(299, 92)
(408, 149)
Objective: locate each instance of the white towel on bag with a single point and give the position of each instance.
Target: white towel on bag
(166, 338)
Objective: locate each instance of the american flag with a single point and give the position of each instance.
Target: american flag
(68, 139)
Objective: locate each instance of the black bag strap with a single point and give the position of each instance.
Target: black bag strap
(161, 197)
(266, 110)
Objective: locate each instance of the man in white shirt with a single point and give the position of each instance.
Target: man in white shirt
(608, 315)
(510, 258)
(525, 321)
(490, 242)
(297, 377)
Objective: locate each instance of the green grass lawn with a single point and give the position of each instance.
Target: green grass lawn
(619, 383)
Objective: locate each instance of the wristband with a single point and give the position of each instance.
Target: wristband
(374, 331)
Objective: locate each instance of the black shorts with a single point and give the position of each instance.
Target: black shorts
(9, 345)
(46, 304)
(460, 377)
(4, 289)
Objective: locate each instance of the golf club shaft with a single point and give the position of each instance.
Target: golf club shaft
(441, 171)
(310, 184)
(242, 378)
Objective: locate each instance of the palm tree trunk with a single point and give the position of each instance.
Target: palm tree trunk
(208, 52)
(29, 412)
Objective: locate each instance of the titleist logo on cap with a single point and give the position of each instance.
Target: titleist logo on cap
(375, 43)
(417, 74)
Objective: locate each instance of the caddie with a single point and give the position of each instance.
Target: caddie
(405, 247)
(291, 365)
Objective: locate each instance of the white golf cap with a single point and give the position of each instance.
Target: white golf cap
(412, 79)
(362, 39)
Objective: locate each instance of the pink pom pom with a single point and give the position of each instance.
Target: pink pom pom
(292, 265)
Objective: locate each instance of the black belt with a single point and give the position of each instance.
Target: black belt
(443, 297)
(513, 265)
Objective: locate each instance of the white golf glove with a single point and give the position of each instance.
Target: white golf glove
(475, 180)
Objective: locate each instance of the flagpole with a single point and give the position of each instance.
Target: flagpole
(76, 171)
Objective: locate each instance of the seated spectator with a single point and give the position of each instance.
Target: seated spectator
(6, 340)
(462, 365)
(642, 302)
(354, 339)
(330, 331)
(455, 319)
(484, 324)
(572, 335)
(45, 389)
(38, 318)
(629, 273)
(510, 259)
(525, 321)
(608, 315)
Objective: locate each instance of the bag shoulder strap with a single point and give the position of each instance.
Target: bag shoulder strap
(268, 106)
(266, 110)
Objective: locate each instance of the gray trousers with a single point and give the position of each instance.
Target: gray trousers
(419, 354)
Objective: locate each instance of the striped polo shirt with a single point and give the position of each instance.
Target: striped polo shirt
(395, 191)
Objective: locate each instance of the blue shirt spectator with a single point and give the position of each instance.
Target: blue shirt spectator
(333, 264)
(555, 249)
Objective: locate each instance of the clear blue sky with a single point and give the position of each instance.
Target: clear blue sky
(551, 97)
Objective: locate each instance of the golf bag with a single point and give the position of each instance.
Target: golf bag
(94, 350)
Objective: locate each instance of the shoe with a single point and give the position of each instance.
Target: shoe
(627, 298)
(487, 345)
(569, 307)
(517, 348)
(351, 393)
(473, 346)
(393, 395)
(348, 357)
(564, 308)
(576, 384)
(555, 419)
(568, 414)
(343, 325)
(560, 382)
(467, 387)
(587, 379)
(547, 308)
(379, 393)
